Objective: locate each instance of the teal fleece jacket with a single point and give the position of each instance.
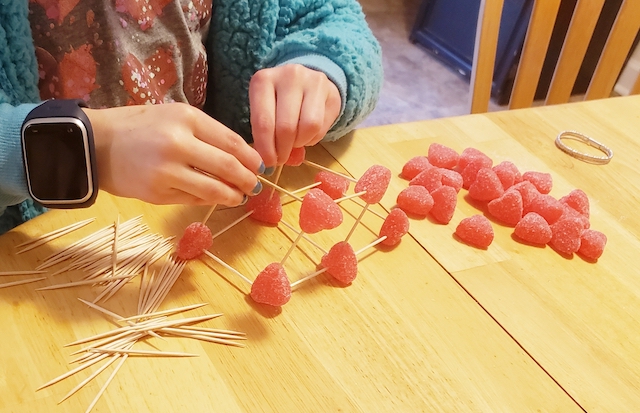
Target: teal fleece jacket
(245, 36)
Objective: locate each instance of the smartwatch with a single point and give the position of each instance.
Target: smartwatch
(59, 155)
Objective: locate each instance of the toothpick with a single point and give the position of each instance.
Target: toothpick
(295, 242)
(373, 244)
(357, 194)
(275, 180)
(357, 222)
(305, 188)
(91, 377)
(114, 256)
(24, 272)
(191, 331)
(50, 236)
(379, 215)
(30, 280)
(74, 371)
(164, 312)
(141, 352)
(217, 330)
(206, 217)
(237, 221)
(304, 236)
(210, 339)
(227, 266)
(284, 191)
(84, 282)
(324, 168)
(104, 387)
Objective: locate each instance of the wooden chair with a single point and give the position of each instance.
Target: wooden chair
(544, 14)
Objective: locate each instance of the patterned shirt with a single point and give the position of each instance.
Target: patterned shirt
(121, 52)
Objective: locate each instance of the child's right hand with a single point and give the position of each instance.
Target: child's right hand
(156, 152)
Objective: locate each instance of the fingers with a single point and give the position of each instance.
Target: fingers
(262, 101)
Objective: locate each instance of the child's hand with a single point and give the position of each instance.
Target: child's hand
(156, 152)
(291, 106)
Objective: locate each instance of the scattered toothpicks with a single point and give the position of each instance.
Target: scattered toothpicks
(42, 239)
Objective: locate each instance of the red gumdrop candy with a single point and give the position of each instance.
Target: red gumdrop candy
(375, 181)
(452, 178)
(592, 244)
(570, 212)
(475, 230)
(550, 208)
(541, 180)
(469, 154)
(470, 171)
(508, 173)
(431, 179)
(566, 235)
(296, 157)
(318, 212)
(578, 200)
(415, 200)
(332, 184)
(195, 239)
(414, 166)
(486, 186)
(533, 228)
(341, 262)
(442, 156)
(507, 208)
(271, 286)
(528, 191)
(445, 200)
(266, 207)
(394, 227)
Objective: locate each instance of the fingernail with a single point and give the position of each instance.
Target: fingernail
(270, 170)
(257, 189)
(261, 169)
(245, 198)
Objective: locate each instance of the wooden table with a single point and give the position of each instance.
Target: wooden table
(431, 325)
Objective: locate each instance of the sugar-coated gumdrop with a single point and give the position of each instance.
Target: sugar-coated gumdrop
(332, 184)
(507, 208)
(445, 200)
(508, 173)
(566, 235)
(394, 227)
(578, 200)
(475, 230)
(414, 166)
(533, 228)
(318, 212)
(528, 191)
(195, 239)
(550, 208)
(415, 200)
(375, 181)
(431, 179)
(266, 207)
(592, 244)
(452, 178)
(470, 171)
(469, 154)
(271, 286)
(570, 212)
(541, 180)
(341, 262)
(296, 157)
(442, 156)
(486, 186)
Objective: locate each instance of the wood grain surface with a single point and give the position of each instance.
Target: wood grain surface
(579, 320)
(406, 336)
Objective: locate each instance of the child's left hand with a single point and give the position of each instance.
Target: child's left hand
(291, 106)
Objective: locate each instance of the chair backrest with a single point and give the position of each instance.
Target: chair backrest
(543, 17)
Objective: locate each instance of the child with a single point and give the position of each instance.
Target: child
(276, 74)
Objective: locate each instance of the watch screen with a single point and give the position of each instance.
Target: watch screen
(57, 167)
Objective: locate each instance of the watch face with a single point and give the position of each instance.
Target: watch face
(57, 160)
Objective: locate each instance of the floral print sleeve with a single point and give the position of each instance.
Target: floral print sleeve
(121, 52)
